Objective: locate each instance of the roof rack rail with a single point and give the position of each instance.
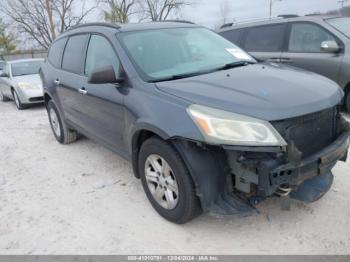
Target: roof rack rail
(256, 20)
(314, 14)
(178, 21)
(226, 25)
(288, 16)
(95, 24)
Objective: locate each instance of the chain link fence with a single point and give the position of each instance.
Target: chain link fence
(24, 55)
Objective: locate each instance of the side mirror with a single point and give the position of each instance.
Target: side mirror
(105, 75)
(330, 47)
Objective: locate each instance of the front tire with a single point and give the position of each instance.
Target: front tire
(167, 182)
(59, 128)
(18, 103)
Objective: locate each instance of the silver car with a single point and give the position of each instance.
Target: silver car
(20, 81)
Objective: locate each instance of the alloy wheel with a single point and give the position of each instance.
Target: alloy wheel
(161, 182)
(55, 122)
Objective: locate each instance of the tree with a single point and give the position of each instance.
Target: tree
(43, 20)
(159, 10)
(7, 41)
(120, 10)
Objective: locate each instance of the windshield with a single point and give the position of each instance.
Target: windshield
(163, 53)
(342, 24)
(26, 68)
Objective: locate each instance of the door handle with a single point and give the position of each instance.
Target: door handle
(82, 91)
(56, 82)
(274, 59)
(287, 60)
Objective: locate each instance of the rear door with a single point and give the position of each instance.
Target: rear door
(103, 112)
(71, 77)
(235, 36)
(304, 50)
(265, 42)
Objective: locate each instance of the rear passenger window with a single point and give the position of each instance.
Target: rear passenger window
(306, 37)
(74, 54)
(100, 54)
(56, 52)
(234, 36)
(265, 38)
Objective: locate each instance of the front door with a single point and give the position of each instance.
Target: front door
(304, 50)
(103, 103)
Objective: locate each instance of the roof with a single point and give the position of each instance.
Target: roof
(280, 19)
(155, 25)
(25, 60)
(135, 26)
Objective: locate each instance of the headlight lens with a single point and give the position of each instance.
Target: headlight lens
(24, 85)
(222, 127)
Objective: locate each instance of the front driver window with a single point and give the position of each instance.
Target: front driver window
(305, 37)
(100, 54)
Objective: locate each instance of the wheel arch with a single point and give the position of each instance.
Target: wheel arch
(47, 98)
(346, 93)
(140, 135)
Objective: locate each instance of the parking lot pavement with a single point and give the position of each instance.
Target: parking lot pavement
(83, 199)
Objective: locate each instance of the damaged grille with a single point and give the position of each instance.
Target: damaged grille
(311, 132)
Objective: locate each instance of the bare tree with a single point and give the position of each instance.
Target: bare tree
(43, 20)
(120, 10)
(159, 10)
(225, 12)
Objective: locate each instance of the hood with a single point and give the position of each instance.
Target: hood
(265, 91)
(31, 79)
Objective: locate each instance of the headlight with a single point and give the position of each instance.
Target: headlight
(222, 127)
(24, 85)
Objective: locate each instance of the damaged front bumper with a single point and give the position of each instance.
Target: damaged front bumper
(230, 180)
(260, 175)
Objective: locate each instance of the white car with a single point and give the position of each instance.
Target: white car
(20, 81)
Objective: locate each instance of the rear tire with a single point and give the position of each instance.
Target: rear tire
(175, 183)
(17, 100)
(59, 128)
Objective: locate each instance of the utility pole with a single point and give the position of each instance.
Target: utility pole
(342, 2)
(273, 1)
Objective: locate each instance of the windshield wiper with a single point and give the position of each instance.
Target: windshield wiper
(179, 76)
(234, 64)
(186, 75)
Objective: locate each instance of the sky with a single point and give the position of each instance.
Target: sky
(207, 12)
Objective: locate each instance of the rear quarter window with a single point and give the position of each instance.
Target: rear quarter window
(56, 52)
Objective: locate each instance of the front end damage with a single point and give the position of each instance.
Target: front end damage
(232, 179)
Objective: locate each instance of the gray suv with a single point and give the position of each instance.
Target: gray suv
(180, 103)
(320, 44)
